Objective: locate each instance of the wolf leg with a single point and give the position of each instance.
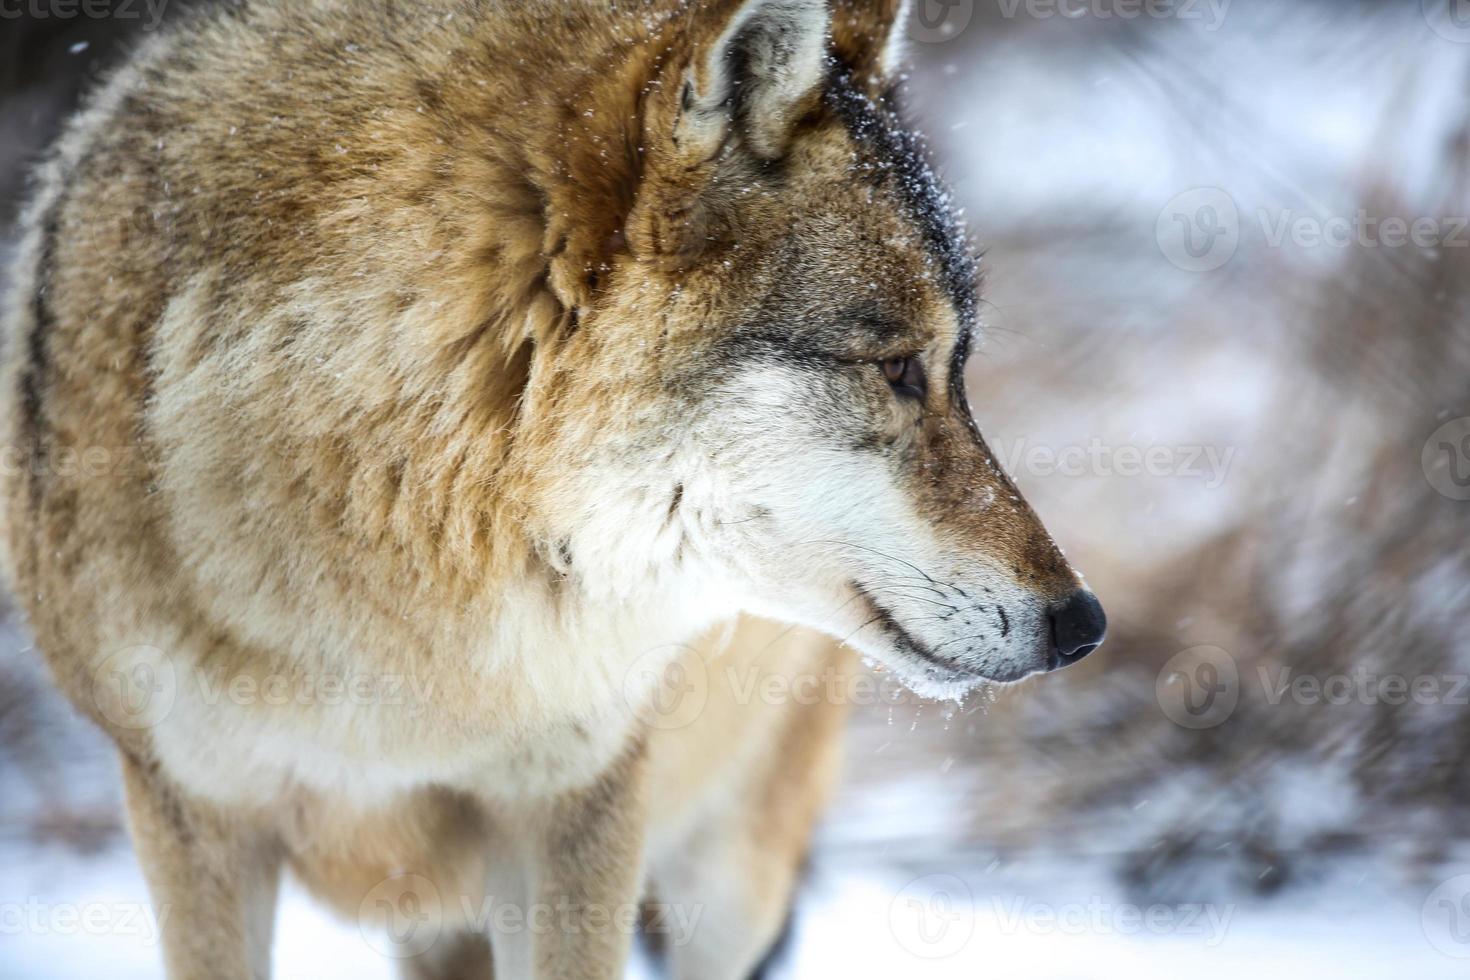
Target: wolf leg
(461, 956)
(722, 903)
(213, 880)
(571, 877)
(726, 876)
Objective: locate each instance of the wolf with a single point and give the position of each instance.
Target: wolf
(404, 399)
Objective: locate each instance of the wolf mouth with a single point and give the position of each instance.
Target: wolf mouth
(907, 644)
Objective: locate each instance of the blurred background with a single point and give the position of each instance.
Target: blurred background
(1228, 360)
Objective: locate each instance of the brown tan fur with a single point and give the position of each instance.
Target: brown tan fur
(427, 343)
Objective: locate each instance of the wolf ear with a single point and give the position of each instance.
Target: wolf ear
(869, 37)
(755, 78)
(742, 83)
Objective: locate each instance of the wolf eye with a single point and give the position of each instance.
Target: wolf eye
(906, 375)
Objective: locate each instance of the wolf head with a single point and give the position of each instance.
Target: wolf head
(766, 377)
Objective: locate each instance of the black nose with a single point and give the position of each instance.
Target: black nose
(1078, 626)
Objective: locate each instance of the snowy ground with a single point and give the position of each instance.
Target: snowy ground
(1047, 921)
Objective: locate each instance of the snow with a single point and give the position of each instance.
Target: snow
(1045, 920)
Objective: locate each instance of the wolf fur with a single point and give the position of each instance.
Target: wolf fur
(497, 351)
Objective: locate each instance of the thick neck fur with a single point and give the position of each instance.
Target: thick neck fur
(442, 207)
(457, 224)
